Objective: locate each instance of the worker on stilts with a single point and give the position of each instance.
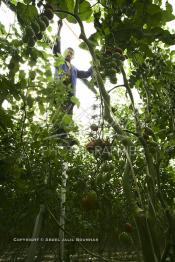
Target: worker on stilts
(69, 74)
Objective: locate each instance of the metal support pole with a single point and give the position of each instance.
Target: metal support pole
(32, 250)
(62, 210)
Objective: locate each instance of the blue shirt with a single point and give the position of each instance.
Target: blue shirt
(75, 73)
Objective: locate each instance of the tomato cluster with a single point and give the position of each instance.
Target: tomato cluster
(34, 31)
(89, 200)
(99, 148)
(110, 60)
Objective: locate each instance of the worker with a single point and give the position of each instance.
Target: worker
(68, 73)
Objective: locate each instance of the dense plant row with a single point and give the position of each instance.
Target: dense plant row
(120, 184)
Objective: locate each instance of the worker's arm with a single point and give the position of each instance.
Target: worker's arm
(57, 45)
(84, 74)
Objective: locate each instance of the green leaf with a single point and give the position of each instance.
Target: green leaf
(67, 119)
(27, 1)
(71, 19)
(67, 5)
(55, 4)
(138, 16)
(26, 13)
(5, 119)
(59, 60)
(41, 108)
(22, 74)
(153, 9)
(48, 73)
(168, 38)
(2, 29)
(49, 29)
(154, 20)
(167, 14)
(169, 8)
(75, 101)
(85, 11)
(139, 58)
(30, 101)
(173, 53)
(83, 45)
(14, 2)
(94, 39)
(106, 30)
